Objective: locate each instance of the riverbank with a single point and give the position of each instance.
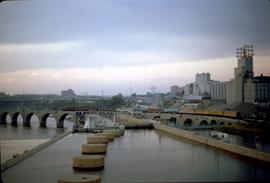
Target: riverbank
(240, 150)
(26, 154)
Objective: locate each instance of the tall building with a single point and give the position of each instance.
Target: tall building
(68, 93)
(233, 90)
(243, 71)
(188, 89)
(218, 91)
(176, 90)
(201, 84)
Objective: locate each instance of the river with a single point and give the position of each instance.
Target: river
(141, 156)
(16, 140)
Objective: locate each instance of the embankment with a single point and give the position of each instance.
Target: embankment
(240, 150)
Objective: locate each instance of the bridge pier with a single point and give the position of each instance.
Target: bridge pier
(3, 118)
(3, 121)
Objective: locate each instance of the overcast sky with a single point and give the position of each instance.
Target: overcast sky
(116, 46)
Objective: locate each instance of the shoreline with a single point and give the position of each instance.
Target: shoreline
(240, 150)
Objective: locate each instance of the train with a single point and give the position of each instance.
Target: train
(227, 114)
(89, 109)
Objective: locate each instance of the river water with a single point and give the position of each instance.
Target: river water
(141, 156)
(16, 140)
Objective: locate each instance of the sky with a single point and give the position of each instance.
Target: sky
(126, 46)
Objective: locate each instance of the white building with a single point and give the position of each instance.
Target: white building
(175, 90)
(202, 83)
(188, 89)
(218, 91)
(68, 93)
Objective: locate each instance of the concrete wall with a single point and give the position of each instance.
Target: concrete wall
(243, 151)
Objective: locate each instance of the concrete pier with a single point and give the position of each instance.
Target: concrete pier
(96, 139)
(88, 161)
(93, 148)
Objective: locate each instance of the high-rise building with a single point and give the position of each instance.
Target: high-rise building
(188, 89)
(233, 90)
(68, 93)
(218, 91)
(176, 90)
(201, 84)
(243, 71)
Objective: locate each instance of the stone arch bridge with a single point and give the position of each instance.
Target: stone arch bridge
(191, 119)
(59, 116)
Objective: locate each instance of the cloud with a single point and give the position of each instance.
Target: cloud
(47, 47)
(71, 54)
(89, 54)
(113, 78)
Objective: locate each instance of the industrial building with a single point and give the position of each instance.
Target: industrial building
(257, 90)
(244, 87)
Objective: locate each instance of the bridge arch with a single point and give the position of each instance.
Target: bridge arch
(60, 122)
(43, 120)
(173, 119)
(221, 123)
(3, 119)
(156, 118)
(14, 118)
(28, 117)
(213, 122)
(188, 122)
(203, 122)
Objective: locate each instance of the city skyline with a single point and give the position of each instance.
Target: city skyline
(91, 46)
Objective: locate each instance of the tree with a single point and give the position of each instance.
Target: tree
(117, 100)
(134, 95)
